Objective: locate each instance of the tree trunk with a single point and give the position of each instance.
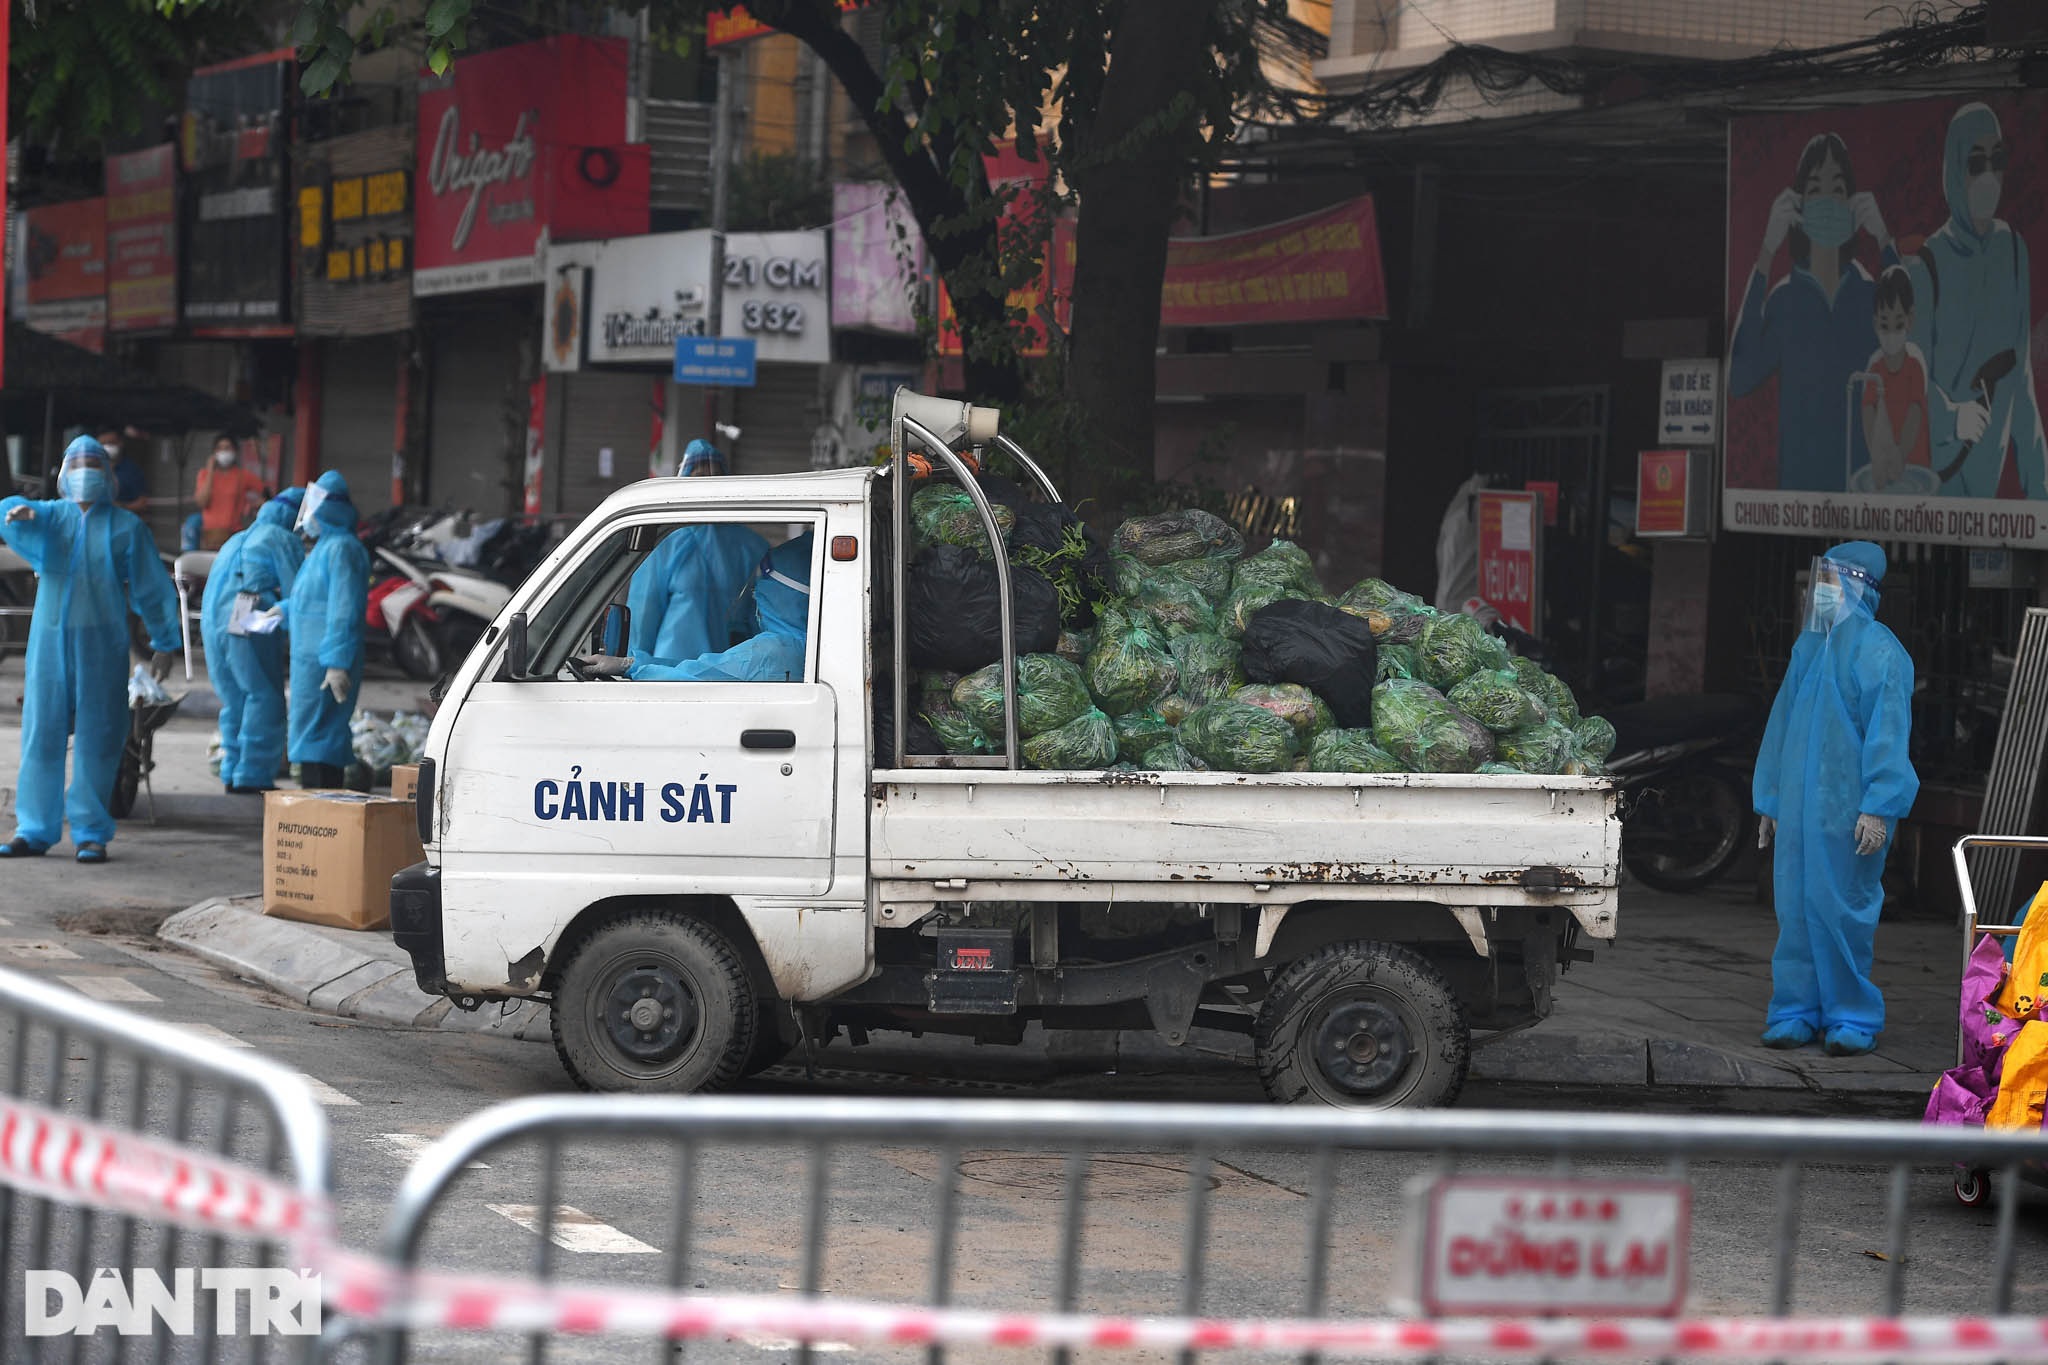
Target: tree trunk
(1128, 179)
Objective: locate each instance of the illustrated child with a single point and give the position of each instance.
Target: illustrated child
(1895, 402)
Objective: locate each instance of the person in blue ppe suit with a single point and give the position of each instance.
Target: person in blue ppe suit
(689, 598)
(1813, 329)
(324, 614)
(782, 604)
(1971, 279)
(1832, 781)
(93, 561)
(252, 573)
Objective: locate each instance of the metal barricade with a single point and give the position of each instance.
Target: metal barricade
(862, 1224)
(129, 1146)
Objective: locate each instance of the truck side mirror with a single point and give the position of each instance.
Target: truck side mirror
(613, 629)
(515, 646)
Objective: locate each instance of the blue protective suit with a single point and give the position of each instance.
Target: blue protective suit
(1790, 329)
(1971, 294)
(1835, 747)
(325, 614)
(248, 670)
(782, 603)
(92, 562)
(690, 597)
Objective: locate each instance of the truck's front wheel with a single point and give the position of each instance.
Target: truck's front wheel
(654, 1003)
(1362, 1025)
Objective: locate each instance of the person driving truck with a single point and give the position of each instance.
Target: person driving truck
(782, 606)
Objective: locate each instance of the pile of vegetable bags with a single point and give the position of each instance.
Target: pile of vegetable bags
(1171, 649)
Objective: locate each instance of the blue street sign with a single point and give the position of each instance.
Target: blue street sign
(719, 361)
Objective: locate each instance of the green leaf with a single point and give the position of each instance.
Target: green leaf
(322, 72)
(438, 59)
(443, 15)
(306, 25)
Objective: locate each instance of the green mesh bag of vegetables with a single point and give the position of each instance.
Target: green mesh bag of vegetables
(956, 730)
(1208, 666)
(1455, 646)
(1496, 768)
(1126, 575)
(1549, 689)
(944, 515)
(1308, 713)
(1483, 744)
(1542, 748)
(1231, 736)
(1171, 757)
(1349, 751)
(1050, 693)
(937, 680)
(1283, 564)
(1584, 765)
(1137, 732)
(1175, 606)
(1246, 602)
(1174, 707)
(1207, 574)
(1593, 736)
(1376, 594)
(1398, 661)
(1129, 668)
(1167, 536)
(1413, 722)
(1084, 742)
(1074, 645)
(1494, 697)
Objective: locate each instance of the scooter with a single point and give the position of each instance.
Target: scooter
(1683, 765)
(427, 613)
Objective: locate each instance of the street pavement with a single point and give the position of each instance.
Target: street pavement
(1678, 999)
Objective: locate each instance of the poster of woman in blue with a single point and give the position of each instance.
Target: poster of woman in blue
(1893, 374)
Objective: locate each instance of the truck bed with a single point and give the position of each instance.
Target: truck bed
(1278, 839)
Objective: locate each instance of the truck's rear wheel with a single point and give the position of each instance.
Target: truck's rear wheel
(1362, 1025)
(657, 1003)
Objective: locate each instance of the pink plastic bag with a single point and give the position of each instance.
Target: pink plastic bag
(1961, 1097)
(1986, 1029)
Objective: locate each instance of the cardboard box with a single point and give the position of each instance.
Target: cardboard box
(405, 781)
(329, 856)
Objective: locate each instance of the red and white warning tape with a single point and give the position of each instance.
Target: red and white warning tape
(78, 1162)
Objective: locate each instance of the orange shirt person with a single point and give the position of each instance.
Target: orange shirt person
(227, 494)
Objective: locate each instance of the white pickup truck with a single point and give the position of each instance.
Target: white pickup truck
(701, 877)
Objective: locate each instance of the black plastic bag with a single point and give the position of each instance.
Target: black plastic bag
(955, 611)
(1328, 651)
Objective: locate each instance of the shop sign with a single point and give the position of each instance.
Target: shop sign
(1510, 556)
(354, 234)
(1321, 267)
(878, 260)
(1671, 492)
(1051, 289)
(66, 268)
(1908, 406)
(234, 141)
(625, 301)
(1496, 1245)
(504, 138)
(777, 292)
(717, 362)
(1689, 403)
(536, 445)
(736, 25)
(142, 240)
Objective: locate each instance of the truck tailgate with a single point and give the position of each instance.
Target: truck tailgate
(1285, 837)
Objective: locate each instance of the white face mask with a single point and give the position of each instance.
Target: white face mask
(1983, 192)
(112, 448)
(223, 458)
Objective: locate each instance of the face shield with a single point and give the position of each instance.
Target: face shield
(83, 476)
(315, 495)
(1834, 589)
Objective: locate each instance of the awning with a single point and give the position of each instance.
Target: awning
(76, 387)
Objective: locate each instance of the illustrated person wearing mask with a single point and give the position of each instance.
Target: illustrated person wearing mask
(253, 572)
(131, 485)
(94, 561)
(1813, 328)
(1972, 282)
(324, 613)
(227, 495)
(1832, 781)
(782, 602)
(689, 596)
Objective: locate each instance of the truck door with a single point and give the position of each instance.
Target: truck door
(567, 787)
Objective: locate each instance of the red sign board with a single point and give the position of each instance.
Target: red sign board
(1055, 280)
(519, 141)
(67, 271)
(1322, 267)
(1510, 551)
(736, 25)
(142, 240)
(1547, 489)
(1664, 493)
(1495, 1245)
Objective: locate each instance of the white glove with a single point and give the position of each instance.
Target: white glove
(1863, 208)
(1971, 420)
(21, 513)
(1766, 831)
(1870, 834)
(604, 665)
(1784, 217)
(336, 682)
(160, 664)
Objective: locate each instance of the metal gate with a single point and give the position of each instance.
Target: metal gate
(1560, 436)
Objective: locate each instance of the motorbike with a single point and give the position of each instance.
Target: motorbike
(424, 613)
(1683, 766)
